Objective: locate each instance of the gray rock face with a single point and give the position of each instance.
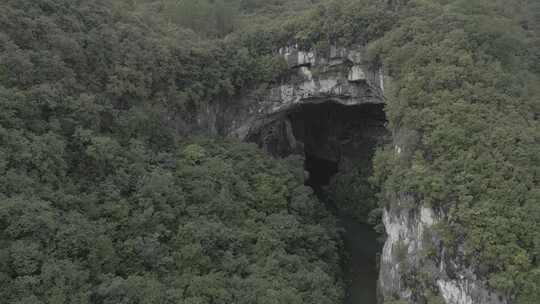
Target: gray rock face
(402, 249)
(356, 74)
(339, 75)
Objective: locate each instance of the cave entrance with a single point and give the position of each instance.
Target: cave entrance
(337, 143)
(335, 140)
(320, 172)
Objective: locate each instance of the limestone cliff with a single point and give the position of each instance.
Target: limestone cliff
(412, 262)
(339, 75)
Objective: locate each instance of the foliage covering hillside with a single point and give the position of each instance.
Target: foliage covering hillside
(211, 223)
(466, 100)
(102, 201)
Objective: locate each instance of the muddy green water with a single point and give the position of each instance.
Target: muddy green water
(360, 261)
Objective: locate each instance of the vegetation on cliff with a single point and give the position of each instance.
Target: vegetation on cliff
(465, 98)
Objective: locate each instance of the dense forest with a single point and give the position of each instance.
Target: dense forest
(108, 194)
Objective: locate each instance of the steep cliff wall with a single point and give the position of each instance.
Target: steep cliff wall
(339, 75)
(415, 264)
(412, 263)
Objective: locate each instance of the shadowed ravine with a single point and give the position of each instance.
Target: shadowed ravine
(359, 260)
(337, 142)
(334, 137)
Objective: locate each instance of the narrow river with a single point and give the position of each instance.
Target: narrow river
(360, 264)
(359, 259)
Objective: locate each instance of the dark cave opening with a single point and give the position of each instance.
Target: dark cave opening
(320, 171)
(335, 140)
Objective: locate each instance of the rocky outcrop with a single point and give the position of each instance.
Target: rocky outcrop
(339, 75)
(403, 247)
(467, 291)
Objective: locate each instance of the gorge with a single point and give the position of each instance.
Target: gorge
(334, 122)
(330, 111)
(337, 143)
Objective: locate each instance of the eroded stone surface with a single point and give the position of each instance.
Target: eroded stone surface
(339, 75)
(405, 230)
(356, 73)
(406, 226)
